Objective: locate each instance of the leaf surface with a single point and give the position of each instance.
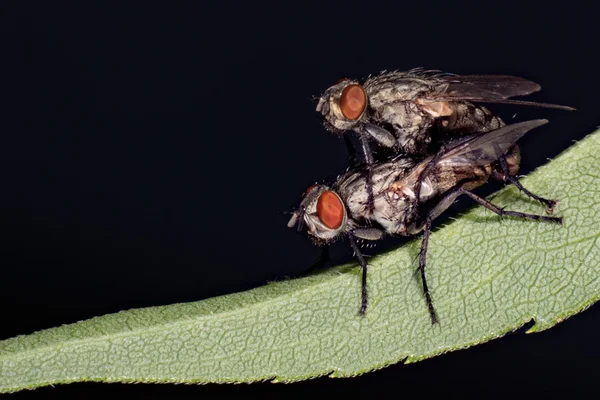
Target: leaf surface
(488, 276)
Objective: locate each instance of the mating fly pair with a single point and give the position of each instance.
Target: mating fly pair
(445, 145)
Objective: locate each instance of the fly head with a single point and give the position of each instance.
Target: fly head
(343, 105)
(323, 213)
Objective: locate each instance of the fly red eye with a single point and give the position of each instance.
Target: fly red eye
(330, 209)
(353, 101)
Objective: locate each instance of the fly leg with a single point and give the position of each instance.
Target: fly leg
(443, 205)
(363, 265)
(385, 139)
(369, 161)
(502, 212)
(422, 259)
(507, 177)
(433, 214)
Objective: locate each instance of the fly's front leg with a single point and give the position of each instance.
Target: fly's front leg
(364, 234)
(385, 139)
(363, 265)
(369, 169)
(507, 177)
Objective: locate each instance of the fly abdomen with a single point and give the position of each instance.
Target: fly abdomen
(468, 118)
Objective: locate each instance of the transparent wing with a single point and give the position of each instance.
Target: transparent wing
(488, 89)
(492, 87)
(488, 147)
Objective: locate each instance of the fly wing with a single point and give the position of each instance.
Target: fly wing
(488, 89)
(488, 147)
(492, 87)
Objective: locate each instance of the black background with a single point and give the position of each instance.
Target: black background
(148, 152)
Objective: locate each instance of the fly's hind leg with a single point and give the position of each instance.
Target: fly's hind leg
(502, 212)
(507, 176)
(440, 208)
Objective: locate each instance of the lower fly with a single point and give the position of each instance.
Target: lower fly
(409, 194)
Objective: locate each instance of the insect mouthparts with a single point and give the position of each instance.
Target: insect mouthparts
(322, 106)
(293, 220)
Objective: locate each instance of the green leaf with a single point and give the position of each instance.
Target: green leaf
(488, 276)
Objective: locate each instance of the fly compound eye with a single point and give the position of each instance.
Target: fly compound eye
(330, 209)
(353, 101)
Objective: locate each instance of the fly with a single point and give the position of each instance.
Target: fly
(342, 210)
(417, 111)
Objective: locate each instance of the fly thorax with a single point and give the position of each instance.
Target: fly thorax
(393, 209)
(408, 123)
